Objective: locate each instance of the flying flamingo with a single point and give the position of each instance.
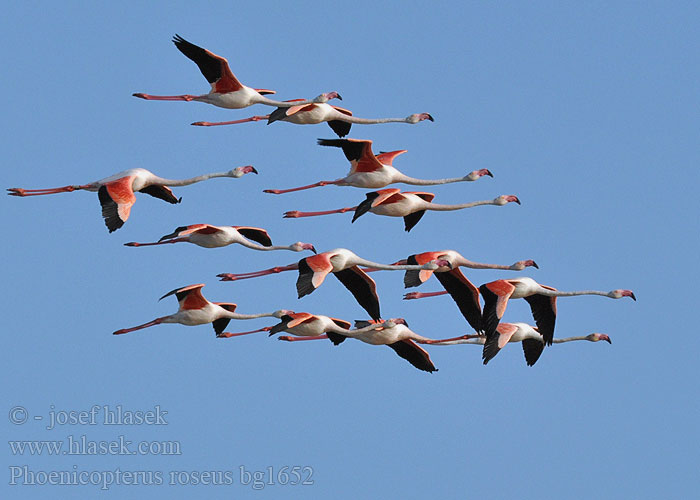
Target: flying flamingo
(462, 291)
(308, 325)
(208, 236)
(370, 171)
(532, 341)
(339, 120)
(226, 90)
(542, 300)
(344, 264)
(194, 309)
(394, 333)
(116, 193)
(409, 205)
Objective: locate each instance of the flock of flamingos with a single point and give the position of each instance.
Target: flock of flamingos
(367, 170)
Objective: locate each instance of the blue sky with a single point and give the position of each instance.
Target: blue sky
(588, 113)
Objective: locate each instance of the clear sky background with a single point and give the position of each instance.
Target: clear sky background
(588, 113)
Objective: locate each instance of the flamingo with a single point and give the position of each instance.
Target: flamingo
(116, 193)
(339, 120)
(344, 264)
(208, 236)
(409, 205)
(194, 309)
(307, 325)
(370, 171)
(395, 333)
(226, 90)
(542, 300)
(532, 341)
(462, 291)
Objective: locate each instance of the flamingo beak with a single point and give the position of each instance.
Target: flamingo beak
(337, 96)
(607, 339)
(312, 249)
(429, 117)
(633, 297)
(249, 168)
(534, 264)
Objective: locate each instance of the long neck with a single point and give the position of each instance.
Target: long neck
(193, 180)
(369, 121)
(255, 246)
(570, 339)
(559, 293)
(283, 104)
(389, 267)
(461, 261)
(233, 315)
(426, 182)
(480, 341)
(439, 207)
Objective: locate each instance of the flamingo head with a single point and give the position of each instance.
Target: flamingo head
(300, 246)
(282, 312)
(442, 263)
(327, 96)
(241, 171)
(596, 337)
(419, 117)
(618, 294)
(392, 322)
(522, 264)
(506, 198)
(477, 174)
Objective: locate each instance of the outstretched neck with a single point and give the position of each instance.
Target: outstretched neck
(193, 180)
(233, 315)
(570, 339)
(371, 121)
(390, 267)
(478, 265)
(427, 182)
(460, 206)
(559, 293)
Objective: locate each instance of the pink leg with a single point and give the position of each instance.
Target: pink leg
(296, 214)
(244, 120)
(295, 339)
(37, 192)
(318, 184)
(228, 335)
(134, 244)
(148, 97)
(463, 337)
(156, 321)
(256, 274)
(420, 295)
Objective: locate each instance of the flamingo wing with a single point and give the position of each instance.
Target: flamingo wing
(411, 220)
(387, 157)
(221, 323)
(282, 325)
(414, 354)
(416, 278)
(338, 338)
(255, 234)
(532, 348)
(465, 295)
(544, 310)
(358, 152)
(214, 68)
(376, 198)
(161, 192)
(193, 228)
(496, 295)
(312, 271)
(362, 287)
(495, 343)
(189, 297)
(116, 198)
(282, 113)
